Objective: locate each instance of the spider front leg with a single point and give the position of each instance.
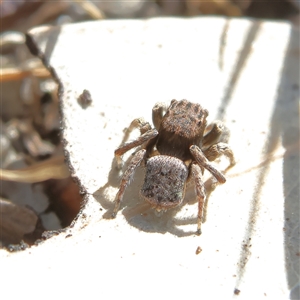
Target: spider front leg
(214, 151)
(158, 112)
(141, 124)
(148, 135)
(200, 191)
(127, 177)
(203, 161)
(215, 132)
(138, 123)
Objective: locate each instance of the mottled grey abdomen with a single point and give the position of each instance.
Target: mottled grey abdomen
(165, 181)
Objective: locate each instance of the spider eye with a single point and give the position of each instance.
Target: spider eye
(199, 123)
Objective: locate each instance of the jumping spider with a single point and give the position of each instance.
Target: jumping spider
(179, 148)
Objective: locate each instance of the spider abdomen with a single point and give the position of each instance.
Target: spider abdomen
(165, 180)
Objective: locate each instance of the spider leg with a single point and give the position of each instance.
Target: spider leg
(215, 132)
(127, 177)
(203, 162)
(141, 124)
(138, 123)
(148, 135)
(200, 191)
(214, 151)
(158, 112)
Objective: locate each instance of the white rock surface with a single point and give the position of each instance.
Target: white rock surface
(244, 72)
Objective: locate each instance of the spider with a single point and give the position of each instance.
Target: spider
(180, 147)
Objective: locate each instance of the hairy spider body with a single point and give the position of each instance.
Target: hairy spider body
(182, 126)
(164, 185)
(176, 150)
